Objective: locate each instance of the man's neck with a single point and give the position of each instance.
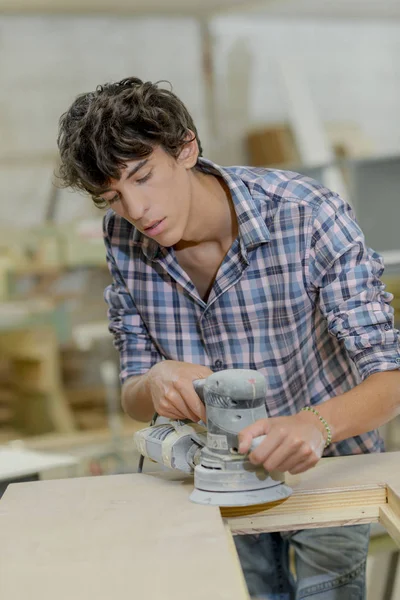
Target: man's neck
(212, 216)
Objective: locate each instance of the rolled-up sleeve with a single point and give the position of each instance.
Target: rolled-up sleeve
(345, 277)
(131, 338)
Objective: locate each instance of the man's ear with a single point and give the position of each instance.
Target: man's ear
(190, 151)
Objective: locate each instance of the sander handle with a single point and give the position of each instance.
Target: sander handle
(198, 385)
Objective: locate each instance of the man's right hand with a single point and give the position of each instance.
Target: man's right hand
(170, 383)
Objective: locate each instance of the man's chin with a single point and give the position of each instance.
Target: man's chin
(167, 240)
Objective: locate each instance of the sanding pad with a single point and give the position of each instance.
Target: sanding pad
(242, 498)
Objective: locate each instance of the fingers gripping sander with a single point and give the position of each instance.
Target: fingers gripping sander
(234, 399)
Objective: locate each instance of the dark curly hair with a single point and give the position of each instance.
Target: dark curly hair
(118, 122)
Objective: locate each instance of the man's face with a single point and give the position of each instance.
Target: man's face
(154, 194)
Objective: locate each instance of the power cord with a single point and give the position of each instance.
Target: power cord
(141, 459)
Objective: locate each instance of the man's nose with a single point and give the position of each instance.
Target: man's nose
(135, 208)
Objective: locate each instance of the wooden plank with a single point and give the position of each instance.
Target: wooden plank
(391, 521)
(394, 497)
(311, 510)
(121, 536)
(390, 513)
(338, 491)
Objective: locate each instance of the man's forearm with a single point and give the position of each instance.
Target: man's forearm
(136, 399)
(368, 406)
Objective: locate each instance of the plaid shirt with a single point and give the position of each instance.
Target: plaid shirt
(297, 297)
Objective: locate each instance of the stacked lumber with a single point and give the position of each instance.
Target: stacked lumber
(37, 399)
(7, 400)
(83, 386)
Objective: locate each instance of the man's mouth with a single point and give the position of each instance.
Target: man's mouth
(152, 228)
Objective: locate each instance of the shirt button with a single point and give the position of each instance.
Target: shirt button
(387, 326)
(218, 364)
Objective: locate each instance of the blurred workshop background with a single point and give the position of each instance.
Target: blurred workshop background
(310, 85)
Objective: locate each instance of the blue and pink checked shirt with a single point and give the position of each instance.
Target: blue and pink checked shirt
(298, 297)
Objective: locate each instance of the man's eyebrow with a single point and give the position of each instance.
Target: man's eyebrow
(136, 168)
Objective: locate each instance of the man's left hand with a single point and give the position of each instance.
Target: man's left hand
(293, 444)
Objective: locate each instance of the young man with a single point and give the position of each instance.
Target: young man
(217, 268)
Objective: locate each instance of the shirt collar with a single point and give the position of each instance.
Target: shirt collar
(253, 230)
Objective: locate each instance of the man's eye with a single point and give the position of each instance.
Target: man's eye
(145, 178)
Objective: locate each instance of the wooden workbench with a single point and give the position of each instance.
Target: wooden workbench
(139, 536)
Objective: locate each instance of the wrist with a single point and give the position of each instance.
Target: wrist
(313, 415)
(136, 398)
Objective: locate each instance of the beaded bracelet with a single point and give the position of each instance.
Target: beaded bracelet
(324, 423)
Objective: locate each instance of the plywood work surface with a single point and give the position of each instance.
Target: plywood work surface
(349, 472)
(139, 536)
(120, 536)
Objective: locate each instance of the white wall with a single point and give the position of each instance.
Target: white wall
(351, 67)
(46, 61)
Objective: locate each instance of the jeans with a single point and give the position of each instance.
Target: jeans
(329, 563)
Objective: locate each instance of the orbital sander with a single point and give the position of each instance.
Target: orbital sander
(234, 399)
